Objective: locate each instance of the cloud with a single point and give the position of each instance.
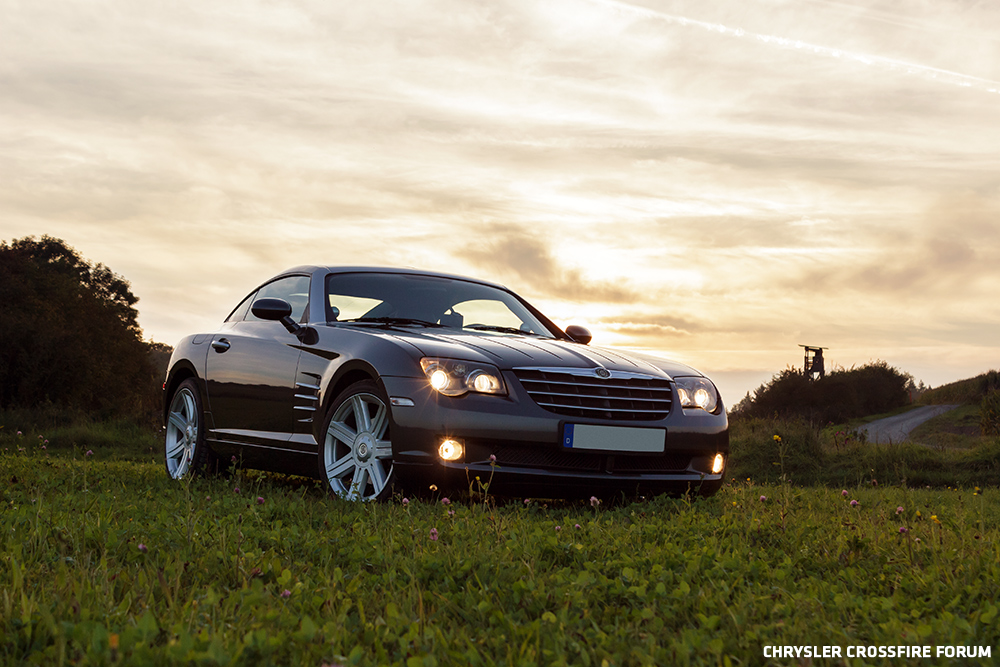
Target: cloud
(511, 251)
(949, 253)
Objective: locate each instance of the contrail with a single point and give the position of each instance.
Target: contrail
(941, 75)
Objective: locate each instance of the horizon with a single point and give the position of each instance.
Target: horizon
(714, 184)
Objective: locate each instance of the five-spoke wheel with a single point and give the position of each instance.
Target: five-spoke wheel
(184, 438)
(356, 453)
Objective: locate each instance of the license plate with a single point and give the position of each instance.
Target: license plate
(614, 438)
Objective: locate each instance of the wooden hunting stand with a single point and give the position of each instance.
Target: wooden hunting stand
(813, 366)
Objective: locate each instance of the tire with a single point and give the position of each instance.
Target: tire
(185, 451)
(355, 455)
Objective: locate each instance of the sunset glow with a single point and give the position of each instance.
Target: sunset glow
(713, 182)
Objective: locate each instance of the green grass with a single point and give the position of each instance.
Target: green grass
(958, 428)
(279, 573)
(830, 456)
(58, 430)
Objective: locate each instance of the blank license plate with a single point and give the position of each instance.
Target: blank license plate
(614, 438)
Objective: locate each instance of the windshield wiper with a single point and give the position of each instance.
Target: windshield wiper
(397, 321)
(495, 327)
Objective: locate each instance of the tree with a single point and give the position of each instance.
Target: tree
(69, 334)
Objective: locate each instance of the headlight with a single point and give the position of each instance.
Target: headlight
(697, 393)
(452, 377)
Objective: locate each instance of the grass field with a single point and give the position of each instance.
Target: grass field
(105, 561)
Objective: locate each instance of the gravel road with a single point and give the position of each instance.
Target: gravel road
(895, 429)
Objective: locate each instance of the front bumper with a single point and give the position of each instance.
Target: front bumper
(530, 458)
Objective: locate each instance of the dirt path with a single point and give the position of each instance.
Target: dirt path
(896, 429)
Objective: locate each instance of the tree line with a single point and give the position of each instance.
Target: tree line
(69, 335)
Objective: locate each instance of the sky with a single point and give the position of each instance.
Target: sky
(715, 183)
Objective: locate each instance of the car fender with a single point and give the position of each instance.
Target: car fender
(187, 361)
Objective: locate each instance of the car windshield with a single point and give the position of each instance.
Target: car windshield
(431, 301)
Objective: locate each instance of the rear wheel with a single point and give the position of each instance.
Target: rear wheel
(355, 457)
(185, 448)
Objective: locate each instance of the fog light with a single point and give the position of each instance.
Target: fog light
(718, 464)
(450, 450)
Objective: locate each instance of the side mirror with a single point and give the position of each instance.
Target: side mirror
(279, 310)
(271, 309)
(579, 334)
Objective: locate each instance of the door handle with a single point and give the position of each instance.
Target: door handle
(220, 345)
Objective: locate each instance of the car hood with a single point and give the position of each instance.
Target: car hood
(512, 351)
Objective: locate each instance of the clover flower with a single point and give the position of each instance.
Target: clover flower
(286, 594)
(406, 501)
(558, 528)
(493, 458)
(904, 529)
(90, 452)
(844, 493)
(899, 510)
(594, 501)
(576, 525)
(143, 548)
(763, 499)
(854, 503)
(236, 490)
(260, 500)
(445, 501)
(434, 534)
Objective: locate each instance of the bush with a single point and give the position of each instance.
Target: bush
(989, 413)
(969, 391)
(842, 395)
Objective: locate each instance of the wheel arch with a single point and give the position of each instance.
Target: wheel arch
(351, 372)
(179, 372)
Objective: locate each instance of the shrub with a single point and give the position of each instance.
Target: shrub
(843, 394)
(970, 391)
(989, 413)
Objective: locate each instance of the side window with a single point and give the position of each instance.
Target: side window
(293, 289)
(241, 310)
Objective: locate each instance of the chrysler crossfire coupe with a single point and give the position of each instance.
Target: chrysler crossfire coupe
(376, 380)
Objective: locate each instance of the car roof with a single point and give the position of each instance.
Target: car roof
(311, 268)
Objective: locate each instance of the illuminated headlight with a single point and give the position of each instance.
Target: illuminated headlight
(697, 393)
(452, 377)
(718, 464)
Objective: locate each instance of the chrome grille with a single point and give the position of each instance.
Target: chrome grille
(580, 393)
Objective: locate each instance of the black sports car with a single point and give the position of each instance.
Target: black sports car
(371, 378)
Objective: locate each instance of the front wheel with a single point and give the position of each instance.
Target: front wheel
(185, 448)
(355, 457)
